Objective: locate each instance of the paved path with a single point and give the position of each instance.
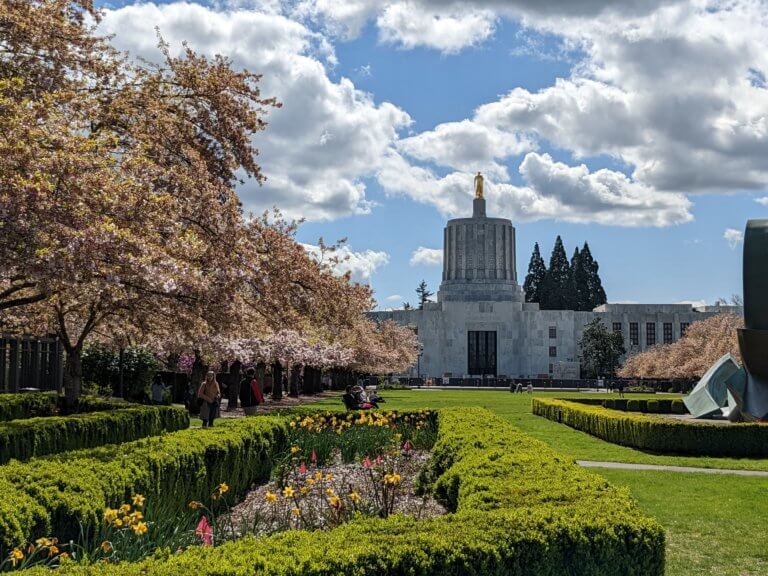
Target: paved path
(628, 466)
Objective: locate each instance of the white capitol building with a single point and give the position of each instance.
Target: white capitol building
(481, 324)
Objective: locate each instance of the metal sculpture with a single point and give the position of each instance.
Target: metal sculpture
(741, 393)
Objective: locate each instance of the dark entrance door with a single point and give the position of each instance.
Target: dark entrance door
(481, 350)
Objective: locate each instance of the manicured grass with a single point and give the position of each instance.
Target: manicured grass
(715, 524)
(517, 409)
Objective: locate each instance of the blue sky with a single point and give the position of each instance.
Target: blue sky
(640, 132)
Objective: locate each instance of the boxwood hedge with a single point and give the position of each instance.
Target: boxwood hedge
(517, 508)
(658, 434)
(24, 439)
(37, 404)
(652, 406)
(55, 495)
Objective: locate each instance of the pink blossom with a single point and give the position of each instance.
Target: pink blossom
(367, 462)
(378, 460)
(314, 456)
(407, 446)
(303, 468)
(204, 531)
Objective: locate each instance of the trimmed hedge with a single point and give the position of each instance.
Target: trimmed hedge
(653, 406)
(54, 495)
(658, 434)
(518, 507)
(38, 404)
(25, 439)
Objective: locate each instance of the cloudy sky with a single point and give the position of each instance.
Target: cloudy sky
(640, 126)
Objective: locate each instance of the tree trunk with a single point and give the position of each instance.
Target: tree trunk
(294, 386)
(73, 375)
(277, 381)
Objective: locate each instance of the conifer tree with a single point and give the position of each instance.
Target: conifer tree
(578, 286)
(555, 289)
(534, 280)
(423, 294)
(595, 293)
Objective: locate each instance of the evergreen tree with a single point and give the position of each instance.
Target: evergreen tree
(534, 280)
(595, 294)
(423, 294)
(407, 306)
(555, 287)
(578, 291)
(600, 350)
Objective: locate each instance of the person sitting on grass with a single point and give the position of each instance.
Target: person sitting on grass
(354, 399)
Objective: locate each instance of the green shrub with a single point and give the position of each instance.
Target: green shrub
(609, 403)
(634, 406)
(665, 406)
(101, 366)
(652, 406)
(678, 407)
(520, 509)
(620, 404)
(67, 490)
(27, 405)
(24, 439)
(658, 434)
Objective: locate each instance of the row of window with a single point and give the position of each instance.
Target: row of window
(650, 332)
(634, 334)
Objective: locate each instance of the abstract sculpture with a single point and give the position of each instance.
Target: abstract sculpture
(741, 393)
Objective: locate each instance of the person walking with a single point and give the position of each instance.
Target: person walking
(250, 393)
(210, 394)
(233, 384)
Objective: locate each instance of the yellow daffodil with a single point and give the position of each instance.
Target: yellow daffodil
(296, 512)
(330, 492)
(270, 497)
(17, 555)
(124, 509)
(328, 477)
(106, 546)
(335, 501)
(140, 528)
(318, 476)
(52, 551)
(354, 496)
(288, 492)
(110, 515)
(195, 505)
(43, 542)
(303, 490)
(118, 523)
(223, 488)
(294, 449)
(310, 481)
(138, 500)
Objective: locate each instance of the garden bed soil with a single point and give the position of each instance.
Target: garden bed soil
(346, 477)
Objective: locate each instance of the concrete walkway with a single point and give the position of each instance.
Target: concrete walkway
(657, 468)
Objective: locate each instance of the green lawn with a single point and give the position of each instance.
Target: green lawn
(715, 523)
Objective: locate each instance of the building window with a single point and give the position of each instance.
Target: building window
(617, 327)
(683, 328)
(553, 351)
(650, 334)
(552, 332)
(667, 332)
(634, 334)
(551, 368)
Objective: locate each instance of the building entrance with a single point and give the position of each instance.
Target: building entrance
(481, 351)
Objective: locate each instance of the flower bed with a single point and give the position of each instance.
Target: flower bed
(517, 507)
(24, 439)
(656, 433)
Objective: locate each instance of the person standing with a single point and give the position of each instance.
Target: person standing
(233, 384)
(210, 394)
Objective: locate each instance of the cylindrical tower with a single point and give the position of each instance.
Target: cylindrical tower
(479, 259)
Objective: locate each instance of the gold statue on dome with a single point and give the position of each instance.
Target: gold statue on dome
(479, 186)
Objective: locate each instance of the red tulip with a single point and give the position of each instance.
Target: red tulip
(314, 456)
(302, 469)
(367, 462)
(407, 446)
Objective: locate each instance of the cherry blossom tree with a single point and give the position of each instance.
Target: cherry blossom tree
(702, 345)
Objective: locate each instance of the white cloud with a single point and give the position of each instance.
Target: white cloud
(763, 200)
(328, 135)
(394, 298)
(408, 25)
(466, 146)
(554, 190)
(361, 265)
(694, 303)
(733, 237)
(427, 257)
